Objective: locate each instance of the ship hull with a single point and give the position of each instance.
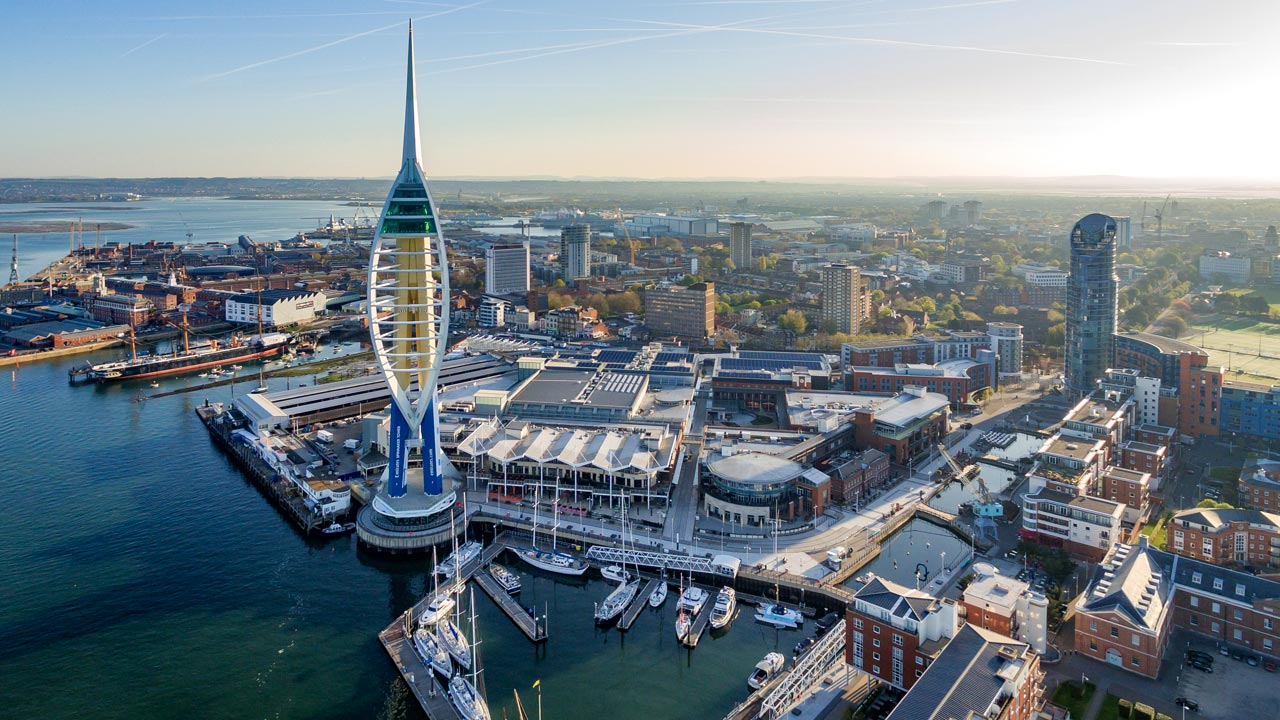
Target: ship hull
(180, 365)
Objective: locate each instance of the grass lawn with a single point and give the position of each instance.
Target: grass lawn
(1069, 696)
(1249, 348)
(1156, 531)
(1225, 474)
(1110, 708)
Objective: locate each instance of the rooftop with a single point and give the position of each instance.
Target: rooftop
(1218, 519)
(968, 677)
(1161, 343)
(586, 386)
(910, 405)
(1132, 584)
(755, 468)
(1071, 447)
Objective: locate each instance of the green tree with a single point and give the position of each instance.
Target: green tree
(877, 295)
(927, 304)
(793, 320)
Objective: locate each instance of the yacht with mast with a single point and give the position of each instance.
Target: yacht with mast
(441, 603)
(464, 691)
(726, 605)
(622, 595)
(432, 653)
(552, 560)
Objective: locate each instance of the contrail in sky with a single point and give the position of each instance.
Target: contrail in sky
(339, 41)
(157, 38)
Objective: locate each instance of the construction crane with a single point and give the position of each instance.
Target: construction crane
(951, 463)
(1159, 214)
(13, 265)
(631, 244)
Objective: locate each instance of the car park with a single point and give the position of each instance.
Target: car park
(1269, 665)
(1252, 660)
(1200, 655)
(1237, 655)
(1201, 666)
(1187, 704)
(1225, 651)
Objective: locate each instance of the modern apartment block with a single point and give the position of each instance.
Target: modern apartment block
(1007, 606)
(1091, 303)
(740, 245)
(686, 312)
(1183, 369)
(1222, 537)
(506, 269)
(845, 299)
(1259, 485)
(575, 252)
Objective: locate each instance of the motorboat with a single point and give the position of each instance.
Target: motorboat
(460, 558)
(203, 375)
(659, 595)
(432, 653)
(616, 574)
(766, 669)
(777, 615)
(617, 601)
(155, 384)
(439, 607)
(507, 579)
(337, 528)
(726, 605)
(553, 561)
(237, 367)
(692, 600)
(468, 702)
(454, 641)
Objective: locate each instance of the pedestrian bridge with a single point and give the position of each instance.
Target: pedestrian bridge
(717, 565)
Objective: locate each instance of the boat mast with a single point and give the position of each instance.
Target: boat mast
(186, 337)
(133, 342)
(555, 519)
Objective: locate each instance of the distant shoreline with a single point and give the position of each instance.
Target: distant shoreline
(44, 227)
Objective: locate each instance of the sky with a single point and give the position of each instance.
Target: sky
(644, 88)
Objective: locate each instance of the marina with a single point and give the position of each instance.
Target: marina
(640, 603)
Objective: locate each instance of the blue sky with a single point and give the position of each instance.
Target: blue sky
(645, 88)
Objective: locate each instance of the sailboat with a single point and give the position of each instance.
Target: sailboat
(464, 691)
(463, 555)
(431, 651)
(551, 560)
(441, 603)
(659, 594)
(618, 600)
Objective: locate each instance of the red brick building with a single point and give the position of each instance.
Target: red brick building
(1143, 457)
(894, 632)
(1222, 537)
(860, 477)
(1130, 487)
(1260, 485)
(905, 427)
(1183, 367)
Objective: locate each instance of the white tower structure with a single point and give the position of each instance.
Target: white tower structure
(409, 326)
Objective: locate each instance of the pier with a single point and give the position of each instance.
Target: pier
(700, 622)
(641, 600)
(528, 624)
(422, 680)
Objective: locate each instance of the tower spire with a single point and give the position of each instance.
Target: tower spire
(13, 265)
(412, 143)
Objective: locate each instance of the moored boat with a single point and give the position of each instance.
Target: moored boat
(617, 601)
(616, 574)
(467, 700)
(432, 653)
(337, 528)
(766, 669)
(779, 616)
(692, 600)
(726, 605)
(460, 558)
(507, 579)
(659, 595)
(684, 622)
(439, 607)
(553, 561)
(454, 641)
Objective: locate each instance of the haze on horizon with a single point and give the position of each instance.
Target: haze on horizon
(647, 88)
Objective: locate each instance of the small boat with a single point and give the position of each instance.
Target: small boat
(261, 389)
(507, 579)
(659, 595)
(338, 528)
(726, 605)
(467, 700)
(553, 561)
(237, 367)
(684, 622)
(155, 384)
(432, 653)
(454, 641)
(617, 601)
(439, 607)
(460, 558)
(777, 615)
(616, 574)
(692, 600)
(765, 670)
(203, 375)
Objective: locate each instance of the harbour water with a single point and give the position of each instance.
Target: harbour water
(919, 542)
(955, 494)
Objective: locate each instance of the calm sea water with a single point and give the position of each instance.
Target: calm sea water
(142, 577)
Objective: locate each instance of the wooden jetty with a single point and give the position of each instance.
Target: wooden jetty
(528, 624)
(426, 687)
(639, 603)
(700, 623)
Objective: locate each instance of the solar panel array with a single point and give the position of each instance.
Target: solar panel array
(663, 358)
(780, 356)
(616, 356)
(773, 365)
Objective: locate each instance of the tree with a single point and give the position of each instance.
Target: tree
(1055, 335)
(559, 283)
(793, 320)
(722, 308)
(828, 327)
(1053, 316)
(625, 302)
(556, 300)
(877, 295)
(927, 304)
(1175, 325)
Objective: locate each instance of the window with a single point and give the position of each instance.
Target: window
(1217, 608)
(1237, 634)
(897, 639)
(875, 656)
(1266, 644)
(1115, 633)
(1266, 623)
(919, 661)
(1093, 644)
(1195, 578)
(1134, 661)
(1195, 621)
(1214, 627)
(1217, 583)
(875, 642)
(875, 629)
(1239, 590)
(875, 669)
(1195, 601)
(857, 623)
(1093, 625)
(918, 673)
(1137, 640)
(1238, 615)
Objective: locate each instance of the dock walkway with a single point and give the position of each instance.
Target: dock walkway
(639, 603)
(700, 623)
(431, 695)
(528, 625)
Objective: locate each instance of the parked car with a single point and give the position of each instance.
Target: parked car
(1200, 655)
(1188, 704)
(1226, 652)
(1237, 655)
(1201, 666)
(1252, 660)
(1269, 665)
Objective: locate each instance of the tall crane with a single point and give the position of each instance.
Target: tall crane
(1160, 217)
(13, 264)
(631, 244)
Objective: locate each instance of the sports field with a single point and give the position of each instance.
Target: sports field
(1239, 344)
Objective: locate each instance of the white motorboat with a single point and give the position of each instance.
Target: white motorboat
(467, 700)
(460, 558)
(337, 528)
(454, 641)
(261, 389)
(432, 653)
(616, 574)
(155, 384)
(766, 669)
(777, 615)
(692, 600)
(553, 561)
(659, 595)
(439, 608)
(507, 579)
(617, 601)
(726, 605)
